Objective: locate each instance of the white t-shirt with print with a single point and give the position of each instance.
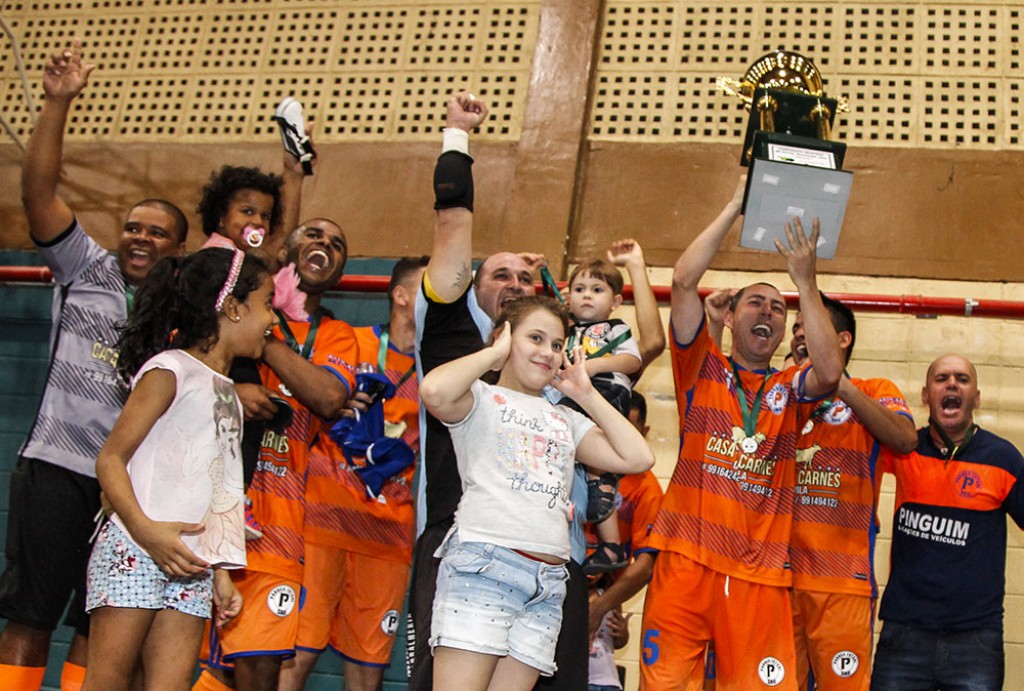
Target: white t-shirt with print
(515, 455)
(189, 466)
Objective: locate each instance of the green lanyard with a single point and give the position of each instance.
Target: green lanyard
(307, 348)
(549, 281)
(382, 357)
(749, 415)
(607, 348)
(951, 448)
(129, 298)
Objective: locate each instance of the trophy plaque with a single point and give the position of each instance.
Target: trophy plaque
(795, 165)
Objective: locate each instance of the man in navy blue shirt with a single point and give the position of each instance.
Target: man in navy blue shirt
(943, 606)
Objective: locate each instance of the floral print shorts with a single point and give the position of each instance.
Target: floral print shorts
(122, 575)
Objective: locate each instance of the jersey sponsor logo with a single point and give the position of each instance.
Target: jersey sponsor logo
(937, 528)
(105, 353)
(752, 474)
(281, 600)
(389, 623)
(777, 398)
(757, 466)
(845, 664)
(274, 442)
(816, 486)
(837, 413)
(724, 458)
(272, 468)
(805, 457)
(967, 483)
(771, 671)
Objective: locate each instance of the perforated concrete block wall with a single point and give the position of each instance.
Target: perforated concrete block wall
(921, 74)
(213, 70)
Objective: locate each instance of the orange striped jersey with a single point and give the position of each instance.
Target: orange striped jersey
(729, 506)
(636, 502)
(339, 512)
(837, 480)
(278, 486)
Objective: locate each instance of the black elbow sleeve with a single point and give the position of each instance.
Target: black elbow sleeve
(453, 181)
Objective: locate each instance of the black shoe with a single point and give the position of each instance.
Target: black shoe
(601, 496)
(609, 556)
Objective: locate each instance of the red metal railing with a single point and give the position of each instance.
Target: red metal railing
(918, 305)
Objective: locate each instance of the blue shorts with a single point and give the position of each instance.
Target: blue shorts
(495, 601)
(122, 575)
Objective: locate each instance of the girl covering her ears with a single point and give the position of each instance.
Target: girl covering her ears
(501, 582)
(171, 470)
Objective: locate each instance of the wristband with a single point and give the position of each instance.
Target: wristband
(455, 140)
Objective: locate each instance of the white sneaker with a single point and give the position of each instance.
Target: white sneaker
(293, 132)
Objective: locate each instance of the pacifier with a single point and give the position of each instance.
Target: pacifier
(253, 235)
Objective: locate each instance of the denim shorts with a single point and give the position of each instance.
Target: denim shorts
(122, 575)
(493, 600)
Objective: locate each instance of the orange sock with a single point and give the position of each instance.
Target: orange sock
(27, 678)
(208, 682)
(72, 677)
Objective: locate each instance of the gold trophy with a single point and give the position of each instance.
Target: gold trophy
(795, 165)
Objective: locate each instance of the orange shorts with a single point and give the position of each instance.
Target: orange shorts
(354, 602)
(833, 634)
(267, 625)
(689, 605)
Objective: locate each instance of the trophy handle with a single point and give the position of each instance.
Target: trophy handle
(820, 116)
(766, 107)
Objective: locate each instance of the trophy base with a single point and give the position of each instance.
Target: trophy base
(805, 151)
(779, 191)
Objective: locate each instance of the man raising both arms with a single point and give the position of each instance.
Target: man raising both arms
(832, 548)
(54, 492)
(724, 527)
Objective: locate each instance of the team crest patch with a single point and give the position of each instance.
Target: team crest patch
(598, 330)
(837, 413)
(771, 671)
(281, 600)
(967, 483)
(845, 664)
(389, 623)
(777, 398)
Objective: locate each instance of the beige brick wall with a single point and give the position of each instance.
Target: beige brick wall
(897, 347)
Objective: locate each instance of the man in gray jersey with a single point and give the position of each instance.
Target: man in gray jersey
(54, 493)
